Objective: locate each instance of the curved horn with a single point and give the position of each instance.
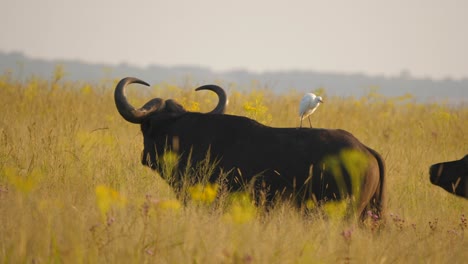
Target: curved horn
(223, 101)
(126, 110)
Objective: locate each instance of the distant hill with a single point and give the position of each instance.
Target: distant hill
(447, 90)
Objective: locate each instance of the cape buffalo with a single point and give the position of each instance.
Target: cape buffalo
(452, 176)
(301, 164)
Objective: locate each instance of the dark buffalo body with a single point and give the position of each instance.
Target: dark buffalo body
(452, 176)
(282, 161)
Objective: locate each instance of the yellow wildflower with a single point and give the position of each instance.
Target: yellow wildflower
(24, 184)
(173, 205)
(241, 209)
(107, 198)
(204, 193)
(336, 210)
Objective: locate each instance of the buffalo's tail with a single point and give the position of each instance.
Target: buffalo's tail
(378, 201)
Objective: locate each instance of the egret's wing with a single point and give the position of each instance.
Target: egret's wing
(303, 105)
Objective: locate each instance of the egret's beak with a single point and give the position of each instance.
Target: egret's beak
(321, 101)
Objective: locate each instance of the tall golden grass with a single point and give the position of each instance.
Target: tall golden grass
(73, 190)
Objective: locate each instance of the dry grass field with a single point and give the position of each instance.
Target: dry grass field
(73, 190)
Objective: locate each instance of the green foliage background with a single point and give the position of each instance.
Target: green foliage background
(73, 190)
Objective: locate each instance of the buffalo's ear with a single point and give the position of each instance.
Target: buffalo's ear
(173, 106)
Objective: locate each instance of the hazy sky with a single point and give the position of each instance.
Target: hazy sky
(429, 38)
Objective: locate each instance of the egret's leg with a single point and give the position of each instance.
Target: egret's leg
(310, 124)
(300, 126)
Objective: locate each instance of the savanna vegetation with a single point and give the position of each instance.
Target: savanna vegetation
(73, 190)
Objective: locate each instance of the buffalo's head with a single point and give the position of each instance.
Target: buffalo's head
(157, 105)
(156, 115)
(452, 176)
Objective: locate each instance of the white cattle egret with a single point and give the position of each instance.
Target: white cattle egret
(309, 104)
